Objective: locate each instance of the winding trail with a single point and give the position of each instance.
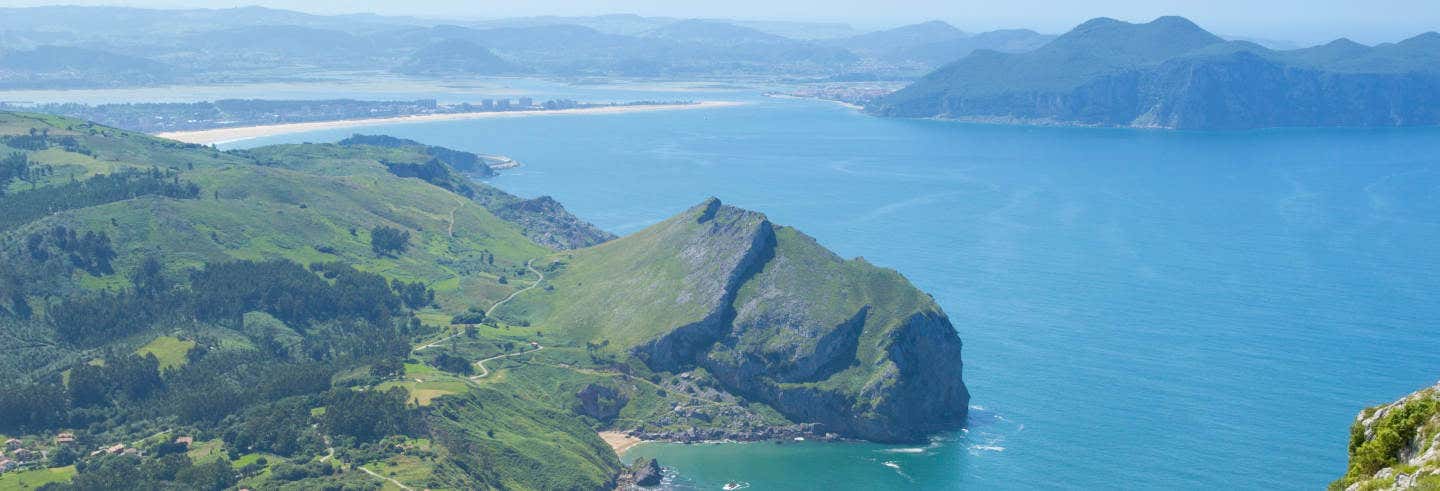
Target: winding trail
(491, 310)
(397, 483)
(451, 228)
(437, 342)
(486, 371)
(528, 265)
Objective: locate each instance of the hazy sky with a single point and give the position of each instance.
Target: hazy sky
(1300, 20)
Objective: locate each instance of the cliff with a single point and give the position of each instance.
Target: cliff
(772, 315)
(1170, 73)
(1396, 445)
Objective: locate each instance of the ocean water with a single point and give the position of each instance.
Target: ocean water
(1140, 309)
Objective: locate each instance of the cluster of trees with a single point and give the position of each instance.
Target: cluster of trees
(453, 364)
(389, 241)
(40, 139)
(281, 428)
(125, 472)
(122, 378)
(462, 161)
(90, 251)
(415, 295)
(433, 172)
(15, 166)
(368, 416)
(226, 291)
(348, 318)
(473, 315)
(25, 206)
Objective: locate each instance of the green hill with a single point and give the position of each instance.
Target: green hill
(77, 292)
(771, 314)
(455, 57)
(348, 314)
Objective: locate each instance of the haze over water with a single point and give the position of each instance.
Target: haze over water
(1140, 309)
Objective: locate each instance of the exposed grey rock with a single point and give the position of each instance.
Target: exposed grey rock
(600, 402)
(647, 472)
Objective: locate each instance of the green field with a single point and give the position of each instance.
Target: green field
(23, 480)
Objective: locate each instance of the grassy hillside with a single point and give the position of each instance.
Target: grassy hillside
(74, 248)
(361, 314)
(773, 315)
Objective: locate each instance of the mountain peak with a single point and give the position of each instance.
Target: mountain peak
(1344, 43)
(1100, 23)
(1426, 38)
(1175, 21)
(1127, 43)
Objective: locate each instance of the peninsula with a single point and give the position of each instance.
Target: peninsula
(362, 313)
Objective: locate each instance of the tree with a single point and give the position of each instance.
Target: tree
(387, 241)
(148, 278)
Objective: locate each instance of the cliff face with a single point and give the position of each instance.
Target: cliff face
(548, 223)
(1101, 74)
(1396, 445)
(774, 317)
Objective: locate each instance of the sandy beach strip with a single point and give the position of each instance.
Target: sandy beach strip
(619, 441)
(228, 135)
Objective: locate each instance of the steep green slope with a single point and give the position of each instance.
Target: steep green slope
(771, 314)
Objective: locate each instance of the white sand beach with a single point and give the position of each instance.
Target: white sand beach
(620, 441)
(228, 135)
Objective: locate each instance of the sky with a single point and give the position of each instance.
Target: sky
(1305, 21)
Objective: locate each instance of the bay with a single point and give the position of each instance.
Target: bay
(1140, 309)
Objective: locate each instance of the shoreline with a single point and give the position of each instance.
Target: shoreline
(217, 136)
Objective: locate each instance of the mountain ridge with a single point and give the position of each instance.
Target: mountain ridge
(1170, 73)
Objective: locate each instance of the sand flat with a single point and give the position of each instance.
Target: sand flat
(228, 135)
(620, 442)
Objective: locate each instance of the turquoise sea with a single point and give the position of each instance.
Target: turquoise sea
(1140, 309)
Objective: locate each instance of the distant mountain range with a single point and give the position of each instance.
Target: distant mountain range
(1170, 73)
(150, 47)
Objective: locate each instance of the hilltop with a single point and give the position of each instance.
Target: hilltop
(355, 313)
(1170, 73)
(770, 314)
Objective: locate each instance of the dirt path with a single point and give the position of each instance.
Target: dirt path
(528, 265)
(451, 228)
(485, 371)
(437, 342)
(397, 483)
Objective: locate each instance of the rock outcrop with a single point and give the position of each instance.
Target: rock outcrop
(548, 223)
(647, 472)
(600, 402)
(1396, 445)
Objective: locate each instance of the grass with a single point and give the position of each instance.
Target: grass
(423, 393)
(206, 450)
(169, 350)
(409, 469)
(524, 443)
(645, 273)
(32, 479)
